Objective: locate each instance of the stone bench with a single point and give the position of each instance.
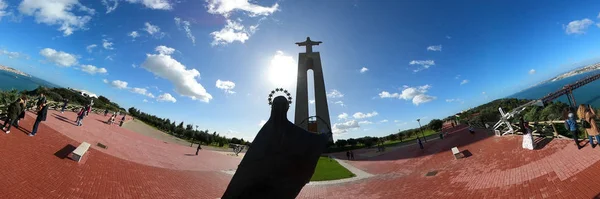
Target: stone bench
(80, 151)
(456, 153)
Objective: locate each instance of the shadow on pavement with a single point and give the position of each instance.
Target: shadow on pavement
(23, 129)
(187, 154)
(63, 118)
(466, 153)
(65, 151)
(540, 143)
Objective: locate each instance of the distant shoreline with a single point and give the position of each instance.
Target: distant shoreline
(15, 71)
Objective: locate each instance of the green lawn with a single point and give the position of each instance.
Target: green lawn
(329, 169)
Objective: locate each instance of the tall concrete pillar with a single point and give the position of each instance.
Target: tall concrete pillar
(311, 61)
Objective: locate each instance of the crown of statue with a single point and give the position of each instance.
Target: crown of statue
(287, 94)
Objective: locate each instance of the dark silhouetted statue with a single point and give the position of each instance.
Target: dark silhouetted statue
(281, 160)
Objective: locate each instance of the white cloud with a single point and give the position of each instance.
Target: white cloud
(154, 4)
(93, 69)
(363, 70)
(262, 123)
(13, 55)
(59, 58)
(385, 94)
(341, 103)
(457, 100)
(425, 64)
(578, 26)
(532, 71)
(339, 128)
(166, 97)
(311, 101)
(226, 86)
(3, 6)
(226, 7)
(90, 48)
(416, 94)
(360, 115)
(133, 65)
(145, 100)
(434, 48)
(184, 80)
(110, 8)
(365, 122)
(134, 34)
(232, 32)
(58, 13)
(105, 81)
(396, 121)
(109, 57)
(343, 116)
(163, 50)
(142, 91)
(383, 121)
(119, 84)
(186, 27)
(107, 45)
(335, 94)
(419, 99)
(457, 77)
(464, 81)
(153, 30)
(448, 37)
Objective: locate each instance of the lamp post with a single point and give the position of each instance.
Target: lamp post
(420, 129)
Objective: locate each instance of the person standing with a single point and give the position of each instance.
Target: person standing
(199, 147)
(40, 101)
(348, 155)
(89, 108)
(420, 143)
(41, 116)
(65, 102)
(527, 138)
(571, 125)
(22, 114)
(105, 112)
(588, 121)
(80, 116)
(13, 112)
(471, 130)
(352, 155)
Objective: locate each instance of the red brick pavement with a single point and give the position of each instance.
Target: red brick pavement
(30, 169)
(136, 147)
(498, 168)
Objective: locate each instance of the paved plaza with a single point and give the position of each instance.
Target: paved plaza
(139, 166)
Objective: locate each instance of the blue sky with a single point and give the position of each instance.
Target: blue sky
(213, 63)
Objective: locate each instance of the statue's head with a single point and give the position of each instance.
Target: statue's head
(280, 106)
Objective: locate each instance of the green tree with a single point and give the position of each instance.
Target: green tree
(341, 143)
(435, 124)
(352, 142)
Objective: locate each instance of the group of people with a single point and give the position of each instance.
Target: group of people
(112, 118)
(16, 112)
(83, 112)
(587, 119)
(350, 155)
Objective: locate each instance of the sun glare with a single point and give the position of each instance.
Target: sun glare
(282, 71)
